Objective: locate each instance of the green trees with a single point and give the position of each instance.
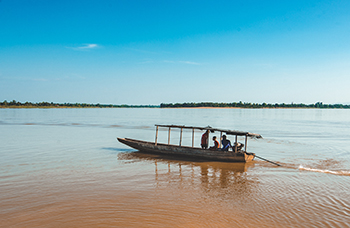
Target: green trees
(240, 104)
(15, 104)
(251, 105)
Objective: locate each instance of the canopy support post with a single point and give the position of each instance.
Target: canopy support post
(245, 145)
(180, 136)
(192, 137)
(236, 143)
(169, 136)
(220, 139)
(155, 142)
(208, 138)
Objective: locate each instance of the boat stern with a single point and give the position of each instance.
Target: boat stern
(249, 156)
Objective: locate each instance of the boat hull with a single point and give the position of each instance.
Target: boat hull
(183, 151)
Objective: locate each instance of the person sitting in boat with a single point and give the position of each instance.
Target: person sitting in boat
(226, 144)
(216, 144)
(204, 141)
(237, 146)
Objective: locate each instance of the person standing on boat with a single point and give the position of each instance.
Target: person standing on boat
(216, 144)
(226, 144)
(204, 141)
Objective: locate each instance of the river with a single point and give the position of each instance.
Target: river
(65, 168)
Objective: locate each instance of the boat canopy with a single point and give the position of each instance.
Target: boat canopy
(228, 132)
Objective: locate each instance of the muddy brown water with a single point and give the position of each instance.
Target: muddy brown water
(64, 168)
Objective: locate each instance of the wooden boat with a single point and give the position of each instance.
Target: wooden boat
(235, 155)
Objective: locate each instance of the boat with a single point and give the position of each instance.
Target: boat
(236, 154)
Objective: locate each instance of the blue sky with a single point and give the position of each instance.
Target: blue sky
(149, 52)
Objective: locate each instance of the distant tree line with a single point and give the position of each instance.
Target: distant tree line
(16, 104)
(251, 105)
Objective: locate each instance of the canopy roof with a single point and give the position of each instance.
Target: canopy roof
(229, 132)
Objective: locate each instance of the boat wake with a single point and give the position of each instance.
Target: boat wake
(344, 173)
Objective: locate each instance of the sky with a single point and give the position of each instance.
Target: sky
(152, 52)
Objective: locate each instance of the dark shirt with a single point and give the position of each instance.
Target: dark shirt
(225, 144)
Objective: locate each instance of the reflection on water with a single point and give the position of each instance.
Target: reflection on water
(213, 176)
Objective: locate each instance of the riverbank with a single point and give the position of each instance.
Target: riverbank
(77, 107)
(202, 105)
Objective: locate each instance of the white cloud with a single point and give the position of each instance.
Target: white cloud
(188, 62)
(85, 47)
(183, 62)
